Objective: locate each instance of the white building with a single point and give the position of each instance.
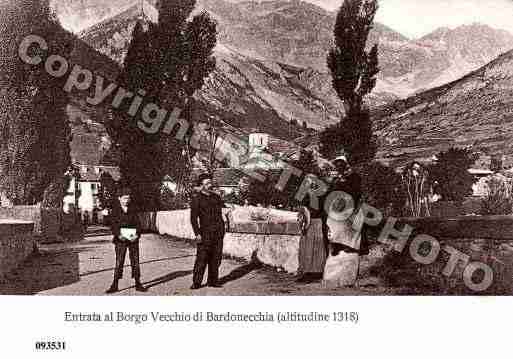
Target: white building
(89, 186)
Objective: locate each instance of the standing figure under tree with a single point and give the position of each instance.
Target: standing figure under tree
(169, 61)
(209, 229)
(354, 73)
(126, 229)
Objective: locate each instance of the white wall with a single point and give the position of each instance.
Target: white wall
(86, 200)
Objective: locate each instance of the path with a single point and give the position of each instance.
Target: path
(85, 268)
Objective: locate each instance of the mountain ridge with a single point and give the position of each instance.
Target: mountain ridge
(474, 111)
(300, 33)
(265, 94)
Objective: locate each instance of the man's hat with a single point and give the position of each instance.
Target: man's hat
(341, 158)
(201, 177)
(124, 191)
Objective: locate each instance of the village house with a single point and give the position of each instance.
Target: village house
(89, 187)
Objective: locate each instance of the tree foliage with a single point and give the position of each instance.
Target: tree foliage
(499, 197)
(352, 136)
(382, 188)
(169, 61)
(353, 68)
(450, 172)
(34, 132)
(354, 71)
(266, 193)
(107, 193)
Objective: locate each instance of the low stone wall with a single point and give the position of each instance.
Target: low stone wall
(471, 205)
(47, 221)
(274, 244)
(16, 244)
(174, 223)
(492, 227)
(484, 239)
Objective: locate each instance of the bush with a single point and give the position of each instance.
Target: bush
(352, 136)
(232, 197)
(450, 171)
(382, 188)
(498, 199)
(417, 189)
(169, 201)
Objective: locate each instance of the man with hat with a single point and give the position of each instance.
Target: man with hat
(209, 229)
(126, 230)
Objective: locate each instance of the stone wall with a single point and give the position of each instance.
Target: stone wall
(492, 227)
(488, 239)
(274, 244)
(471, 205)
(47, 221)
(484, 239)
(16, 244)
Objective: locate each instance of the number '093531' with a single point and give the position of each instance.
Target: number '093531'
(44, 345)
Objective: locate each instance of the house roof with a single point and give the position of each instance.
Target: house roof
(228, 177)
(231, 177)
(480, 172)
(276, 145)
(85, 149)
(94, 173)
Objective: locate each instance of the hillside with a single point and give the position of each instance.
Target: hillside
(299, 33)
(245, 91)
(476, 110)
(270, 59)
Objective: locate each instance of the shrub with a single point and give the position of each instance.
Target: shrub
(232, 197)
(169, 201)
(498, 200)
(450, 171)
(382, 188)
(416, 189)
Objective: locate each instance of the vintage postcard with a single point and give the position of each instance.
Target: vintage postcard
(183, 149)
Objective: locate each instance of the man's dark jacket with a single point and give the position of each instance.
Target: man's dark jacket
(120, 219)
(207, 213)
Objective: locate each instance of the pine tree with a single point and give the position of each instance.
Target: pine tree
(34, 132)
(353, 70)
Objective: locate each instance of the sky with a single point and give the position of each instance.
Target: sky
(412, 18)
(415, 18)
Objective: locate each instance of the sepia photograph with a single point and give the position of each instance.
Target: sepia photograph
(256, 148)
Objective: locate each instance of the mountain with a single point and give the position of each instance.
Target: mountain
(476, 110)
(76, 15)
(295, 32)
(245, 91)
(450, 54)
(300, 33)
(269, 71)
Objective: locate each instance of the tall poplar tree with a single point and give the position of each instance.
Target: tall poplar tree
(34, 130)
(354, 71)
(169, 61)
